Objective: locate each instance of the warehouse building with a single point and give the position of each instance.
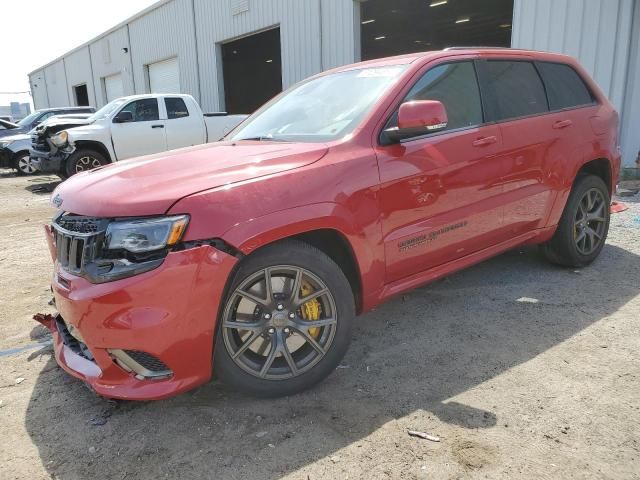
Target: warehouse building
(233, 55)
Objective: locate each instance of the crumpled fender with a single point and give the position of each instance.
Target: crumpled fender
(368, 252)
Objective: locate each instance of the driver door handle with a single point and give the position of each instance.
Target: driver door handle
(157, 126)
(562, 124)
(481, 142)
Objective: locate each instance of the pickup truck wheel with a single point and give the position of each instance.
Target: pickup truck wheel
(584, 224)
(83, 160)
(286, 321)
(23, 164)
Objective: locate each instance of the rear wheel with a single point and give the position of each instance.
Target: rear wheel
(23, 164)
(286, 322)
(83, 160)
(584, 224)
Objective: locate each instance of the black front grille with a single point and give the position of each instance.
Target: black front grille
(147, 360)
(39, 143)
(77, 240)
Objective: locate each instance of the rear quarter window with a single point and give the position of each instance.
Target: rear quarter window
(176, 108)
(565, 88)
(513, 89)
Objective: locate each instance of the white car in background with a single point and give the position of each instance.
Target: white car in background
(124, 128)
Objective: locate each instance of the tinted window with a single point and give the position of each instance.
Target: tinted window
(456, 86)
(143, 110)
(565, 88)
(176, 108)
(514, 89)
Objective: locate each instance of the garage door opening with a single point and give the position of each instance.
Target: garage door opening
(407, 26)
(82, 95)
(252, 71)
(113, 87)
(164, 76)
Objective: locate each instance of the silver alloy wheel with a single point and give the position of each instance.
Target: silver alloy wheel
(266, 326)
(590, 221)
(25, 165)
(87, 162)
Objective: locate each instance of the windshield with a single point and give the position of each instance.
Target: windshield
(107, 109)
(28, 120)
(323, 109)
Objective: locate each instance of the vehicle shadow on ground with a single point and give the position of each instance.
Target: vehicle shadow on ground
(414, 353)
(43, 184)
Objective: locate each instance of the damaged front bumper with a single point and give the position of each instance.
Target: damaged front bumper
(146, 337)
(48, 162)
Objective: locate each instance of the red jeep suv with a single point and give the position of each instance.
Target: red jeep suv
(250, 257)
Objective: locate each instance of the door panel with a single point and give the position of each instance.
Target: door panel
(440, 199)
(182, 128)
(142, 136)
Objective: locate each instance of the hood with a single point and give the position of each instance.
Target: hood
(11, 132)
(151, 185)
(17, 138)
(56, 125)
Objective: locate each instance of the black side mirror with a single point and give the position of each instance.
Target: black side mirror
(123, 117)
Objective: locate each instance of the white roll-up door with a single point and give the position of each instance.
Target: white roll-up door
(164, 77)
(113, 87)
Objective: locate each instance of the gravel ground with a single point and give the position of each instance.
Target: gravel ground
(522, 369)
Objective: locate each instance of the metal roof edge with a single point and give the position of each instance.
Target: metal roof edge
(120, 25)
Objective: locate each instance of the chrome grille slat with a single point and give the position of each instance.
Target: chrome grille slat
(77, 240)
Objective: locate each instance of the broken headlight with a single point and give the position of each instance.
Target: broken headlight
(146, 234)
(60, 139)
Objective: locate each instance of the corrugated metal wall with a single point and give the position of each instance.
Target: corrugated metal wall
(305, 44)
(315, 35)
(78, 66)
(56, 79)
(109, 58)
(39, 89)
(166, 32)
(596, 32)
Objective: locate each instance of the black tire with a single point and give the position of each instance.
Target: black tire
(564, 248)
(309, 261)
(82, 160)
(22, 164)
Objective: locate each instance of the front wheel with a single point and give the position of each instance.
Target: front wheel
(286, 321)
(584, 224)
(83, 160)
(23, 164)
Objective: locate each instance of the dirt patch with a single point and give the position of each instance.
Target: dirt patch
(513, 389)
(472, 455)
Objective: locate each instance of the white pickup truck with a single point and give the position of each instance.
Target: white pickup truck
(124, 128)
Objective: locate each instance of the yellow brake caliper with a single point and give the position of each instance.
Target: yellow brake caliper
(310, 310)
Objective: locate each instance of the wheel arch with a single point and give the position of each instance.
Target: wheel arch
(94, 145)
(600, 167)
(316, 225)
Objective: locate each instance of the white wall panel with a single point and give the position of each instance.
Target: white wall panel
(306, 46)
(39, 89)
(596, 32)
(163, 33)
(109, 58)
(78, 67)
(56, 79)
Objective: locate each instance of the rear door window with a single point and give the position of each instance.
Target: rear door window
(513, 89)
(565, 88)
(176, 108)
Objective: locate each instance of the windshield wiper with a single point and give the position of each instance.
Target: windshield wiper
(258, 139)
